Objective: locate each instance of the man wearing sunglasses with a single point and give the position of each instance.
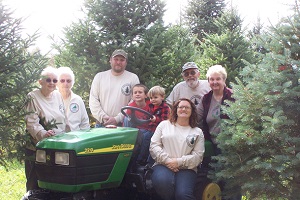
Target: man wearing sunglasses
(191, 88)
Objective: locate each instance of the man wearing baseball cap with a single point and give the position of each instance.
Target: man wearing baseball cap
(191, 88)
(111, 90)
(120, 52)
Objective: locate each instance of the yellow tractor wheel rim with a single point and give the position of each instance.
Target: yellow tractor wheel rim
(212, 192)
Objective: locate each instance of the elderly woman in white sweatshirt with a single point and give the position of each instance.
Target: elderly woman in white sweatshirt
(75, 111)
(45, 118)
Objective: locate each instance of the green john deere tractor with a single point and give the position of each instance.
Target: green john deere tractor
(99, 164)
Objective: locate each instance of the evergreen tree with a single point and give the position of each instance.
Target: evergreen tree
(170, 49)
(122, 22)
(156, 52)
(18, 71)
(201, 14)
(228, 47)
(254, 35)
(82, 51)
(260, 143)
(109, 24)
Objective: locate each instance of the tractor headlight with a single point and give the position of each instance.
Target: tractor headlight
(40, 156)
(62, 158)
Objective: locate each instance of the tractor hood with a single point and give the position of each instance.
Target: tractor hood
(93, 141)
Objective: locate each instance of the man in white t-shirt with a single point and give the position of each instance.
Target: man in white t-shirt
(111, 90)
(191, 88)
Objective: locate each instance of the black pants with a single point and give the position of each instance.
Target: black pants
(30, 172)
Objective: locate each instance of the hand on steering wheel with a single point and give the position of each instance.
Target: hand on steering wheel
(132, 117)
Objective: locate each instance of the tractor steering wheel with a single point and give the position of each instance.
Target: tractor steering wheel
(132, 116)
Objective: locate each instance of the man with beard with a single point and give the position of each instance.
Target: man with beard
(191, 88)
(111, 90)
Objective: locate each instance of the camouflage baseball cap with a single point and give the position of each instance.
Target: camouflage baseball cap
(119, 52)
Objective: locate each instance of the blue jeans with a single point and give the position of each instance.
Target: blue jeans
(174, 186)
(144, 151)
(127, 123)
(99, 126)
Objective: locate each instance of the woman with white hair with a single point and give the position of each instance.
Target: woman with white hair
(76, 115)
(209, 110)
(45, 118)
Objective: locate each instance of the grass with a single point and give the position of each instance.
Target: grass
(12, 181)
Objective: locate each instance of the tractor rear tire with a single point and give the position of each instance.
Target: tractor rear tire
(212, 192)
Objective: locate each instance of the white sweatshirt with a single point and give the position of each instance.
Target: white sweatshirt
(184, 143)
(76, 115)
(40, 107)
(110, 93)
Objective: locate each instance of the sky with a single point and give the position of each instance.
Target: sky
(248, 9)
(48, 17)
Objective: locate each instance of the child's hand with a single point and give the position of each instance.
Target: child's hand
(153, 119)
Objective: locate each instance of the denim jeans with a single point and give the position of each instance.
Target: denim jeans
(127, 123)
(99, 126)
(144, 151)
(174, 186)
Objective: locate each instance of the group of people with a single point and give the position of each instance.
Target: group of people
(51, 112)
(177, 145)
(172, 137)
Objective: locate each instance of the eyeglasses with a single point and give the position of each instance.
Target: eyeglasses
(48, 80)
(64, 80)
(184, 107)
(186, 74)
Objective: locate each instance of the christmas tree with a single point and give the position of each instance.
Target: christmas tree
(260, 143)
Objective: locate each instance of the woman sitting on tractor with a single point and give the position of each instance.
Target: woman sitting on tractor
(177, 147)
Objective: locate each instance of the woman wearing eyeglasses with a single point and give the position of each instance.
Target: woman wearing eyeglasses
(209, 110)
(45, 118)
(76, 115)
(177, 147)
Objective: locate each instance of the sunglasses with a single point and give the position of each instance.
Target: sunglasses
(64, 80)
(186, 74)
(48, 80)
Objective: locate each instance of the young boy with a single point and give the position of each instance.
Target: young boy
(160, 110)
(157, 107)
(139, 97)
(140, 100)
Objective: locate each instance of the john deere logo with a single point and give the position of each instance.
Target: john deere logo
(48, 157)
